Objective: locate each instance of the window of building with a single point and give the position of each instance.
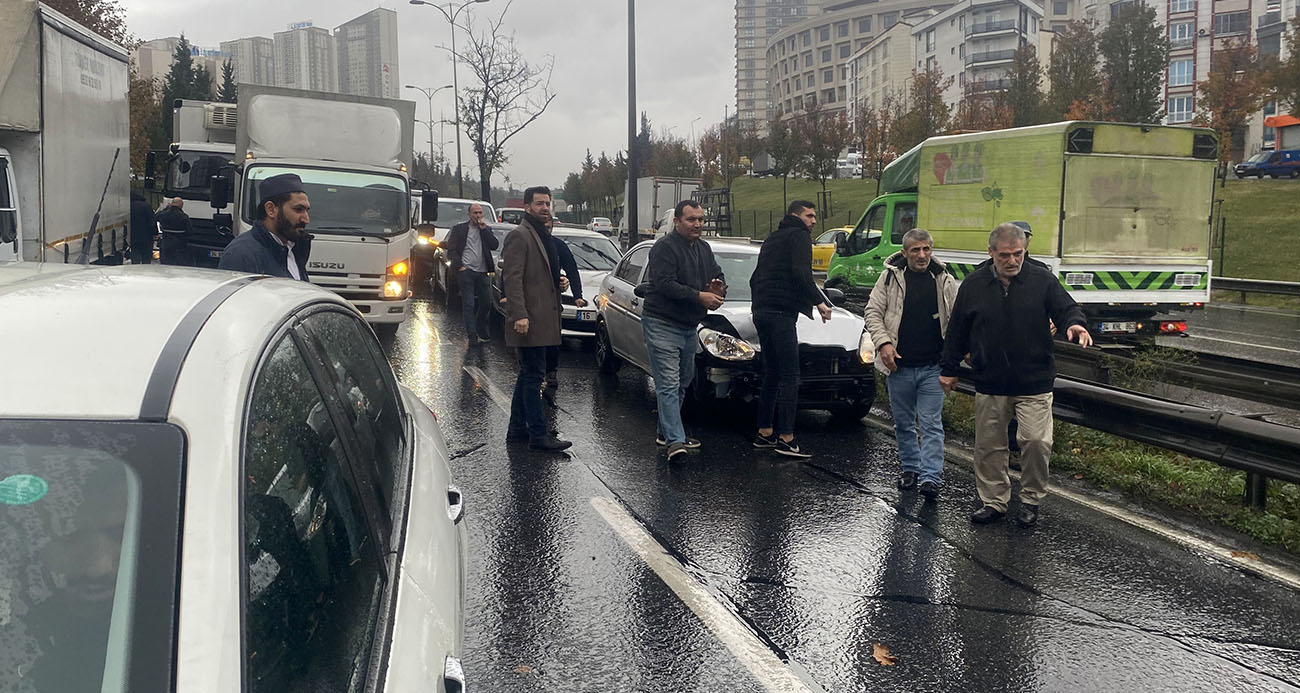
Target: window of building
(884, 50)
(1181, 35)
(1180, 72)
(826, 55)
(1231, 23)
(929, 40)
(1060, 7)
(1180, 109)
(807, 59)
(824, 33)
(864, 25)
(828, 75)
(828, 96)
(846, 50)
(840, 93)
(842, 30)
(806, 38)
(961, 50)
(798, 83)
(889, 19)
(1181, 6)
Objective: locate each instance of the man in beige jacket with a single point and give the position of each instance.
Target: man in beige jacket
(907, 317)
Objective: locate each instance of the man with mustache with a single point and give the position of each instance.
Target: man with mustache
(278, 244)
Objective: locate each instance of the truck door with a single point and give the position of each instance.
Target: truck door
(863, 247)
(9, 230)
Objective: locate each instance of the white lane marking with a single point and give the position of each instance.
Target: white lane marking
(757, 657)
(483, 381)
(1272, 571)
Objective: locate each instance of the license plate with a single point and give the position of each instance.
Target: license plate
(215, 253)
(1111, 327)
(586, 315)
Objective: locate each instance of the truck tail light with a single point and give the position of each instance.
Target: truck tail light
(1173, 326)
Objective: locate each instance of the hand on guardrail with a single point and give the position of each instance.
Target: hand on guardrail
(1079, 334)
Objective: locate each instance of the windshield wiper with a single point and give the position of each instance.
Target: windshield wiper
(357, 230)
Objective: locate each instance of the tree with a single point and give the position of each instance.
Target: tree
(229, 92)
(202, 83)
(511, 94)
(1284, 78)
(982, 110)
(184, 80)
(720, 154)
(146, 120)
(784, 148)
(1135, 53)
(1231, 93)
(823, 136)
(1073, 72)
(925, 113)
(1024, 94)
(104, 17)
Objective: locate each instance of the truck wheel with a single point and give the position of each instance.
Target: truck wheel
(386, 331)
(606, 360)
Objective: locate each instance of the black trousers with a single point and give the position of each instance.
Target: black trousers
(779, 398)
(175, 250)
(141, 250)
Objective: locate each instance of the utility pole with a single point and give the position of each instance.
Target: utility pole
(629, 200)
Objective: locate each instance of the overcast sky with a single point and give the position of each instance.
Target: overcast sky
(685, 63)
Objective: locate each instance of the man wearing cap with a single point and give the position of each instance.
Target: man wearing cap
(278, 244)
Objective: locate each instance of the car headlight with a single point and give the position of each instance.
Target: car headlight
(866, 348)
(726, 347)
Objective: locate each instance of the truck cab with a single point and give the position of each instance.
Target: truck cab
(861, 256)
(203, 147)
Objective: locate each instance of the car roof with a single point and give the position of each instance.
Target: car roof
(88, 338)
(719, 244)
(577, 232)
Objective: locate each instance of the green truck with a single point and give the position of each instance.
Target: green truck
(1120, 213)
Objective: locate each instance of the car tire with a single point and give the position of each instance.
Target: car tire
(1295, 173)
(1274, 176)
(606, 360)
(449, 294)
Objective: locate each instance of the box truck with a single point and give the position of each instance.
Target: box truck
(64, 131)
(353, 154)
(656, 196)
(203, 146)
(1119, 213)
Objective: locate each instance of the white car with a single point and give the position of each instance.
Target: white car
(511, 215)
(595, 255)
(212, 481)
(601, 225)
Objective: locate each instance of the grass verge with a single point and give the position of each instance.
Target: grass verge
(1261, 237)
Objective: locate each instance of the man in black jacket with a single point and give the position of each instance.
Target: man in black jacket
(686, 283)
(174, 248)
(1001, 319)
(781, 288)
(278, 244)
(470, 255)
(143, 228)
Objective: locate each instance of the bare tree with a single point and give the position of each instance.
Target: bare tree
(511, 94)
(823, 136)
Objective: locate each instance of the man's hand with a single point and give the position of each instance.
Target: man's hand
(521, 326)
(462, 268)
(580, 302)
(1080, 333)
(710, 300)
(947, 382)
(564, 283)
(825, 312)
(719, 287)
(887, 354)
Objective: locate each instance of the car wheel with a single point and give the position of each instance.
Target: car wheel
(1274, 176)
(1295, 173)
(606, 360)
(1240, 176)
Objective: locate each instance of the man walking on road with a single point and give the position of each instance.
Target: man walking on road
(533, 285)
(1001, 319)
(174, 249)
(278, 244)
(469, 248)
(781, 288)
(907, 316)
(685, 284)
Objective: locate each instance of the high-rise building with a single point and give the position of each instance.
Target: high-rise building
(306, 58)
(153, 59)
(756, 20)
(253, 59)
(367, 55)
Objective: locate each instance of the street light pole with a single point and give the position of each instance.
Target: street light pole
(629, 200)
(428, 94)
(450, 16)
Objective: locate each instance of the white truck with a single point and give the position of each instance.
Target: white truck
(64, 131)
(203, 146)
(353, 154)
(656, 196)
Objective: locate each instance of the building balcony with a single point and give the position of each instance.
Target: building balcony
(987, 86)
(1006, 25)
(989, 57)
(1182, 44)
(1270, 18)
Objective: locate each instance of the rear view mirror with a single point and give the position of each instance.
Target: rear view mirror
(429, 206)
(842, 245)
(217, 192)
(150, 166)
(8, 225)
(835, 296)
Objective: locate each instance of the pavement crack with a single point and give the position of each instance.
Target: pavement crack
(467, 451)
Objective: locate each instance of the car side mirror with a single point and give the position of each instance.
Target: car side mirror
(218, 188)
(8, 225)
(429, 206)
(842, 245)
(150, 166)
(835, 296)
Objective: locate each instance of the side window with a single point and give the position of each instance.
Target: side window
(630, 270)
(369, 393)
(904, 221)
(860, 241)
(312, 575)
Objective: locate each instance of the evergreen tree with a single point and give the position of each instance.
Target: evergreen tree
(1135, 53)
(229, 92)
(1024, 95)
(202, 88)
(178, 84)
(1073, 72)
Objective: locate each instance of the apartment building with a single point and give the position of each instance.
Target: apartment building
(756, 21)
(306, 57)
(253, 59)
(882, 69)
(367, 55)
(974, 41)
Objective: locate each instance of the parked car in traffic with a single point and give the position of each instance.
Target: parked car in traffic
(601, 225)
(247, 499)
(824, 247)
(834, 357)
(595, 254)
(1284, 163)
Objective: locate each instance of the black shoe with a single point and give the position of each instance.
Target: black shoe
(929, 489)
(791, 449)
(986, 514)
(677, 452)
(763, 442)
(691, 443)
(1028, 514)
(516, 435)
(549, 444)
(907, 481)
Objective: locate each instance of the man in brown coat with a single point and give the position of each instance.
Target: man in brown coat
(531, 274)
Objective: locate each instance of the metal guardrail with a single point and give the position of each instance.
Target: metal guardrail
(1256, 286)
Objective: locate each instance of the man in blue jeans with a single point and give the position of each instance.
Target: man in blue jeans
(685, 284)
(469, 248)
(907, 316)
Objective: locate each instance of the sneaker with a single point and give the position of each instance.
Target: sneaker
(677, 452)
(929, 489)
(691, 443)
(791, 449)
(763, 442)
(907, 481)
(1028, 515)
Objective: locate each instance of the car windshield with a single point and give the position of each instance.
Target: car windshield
(452, 212)
(345, 202)
(592, 253)
(83, 552)
(1258, 157)
(189, 174)
(737, 267)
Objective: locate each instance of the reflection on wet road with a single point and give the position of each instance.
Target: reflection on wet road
(788, 574)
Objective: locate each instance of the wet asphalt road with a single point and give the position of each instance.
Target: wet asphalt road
(1267, 335)
(817, 561)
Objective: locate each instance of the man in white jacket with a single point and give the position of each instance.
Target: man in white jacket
(907, 317)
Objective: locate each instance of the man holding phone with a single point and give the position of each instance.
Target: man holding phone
(1002, 318)
(686, 283)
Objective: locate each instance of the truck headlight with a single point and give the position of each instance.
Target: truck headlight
(395, 280)
(866, 348)
(726, 347)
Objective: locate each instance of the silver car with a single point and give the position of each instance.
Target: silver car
(834, 357)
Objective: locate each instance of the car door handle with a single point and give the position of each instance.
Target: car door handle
(453, 675)
(636, 302)
(455, 504)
